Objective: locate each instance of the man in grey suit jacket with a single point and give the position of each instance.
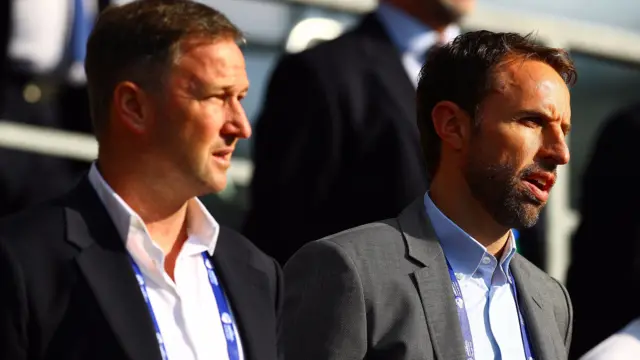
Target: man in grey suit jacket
(443, 279)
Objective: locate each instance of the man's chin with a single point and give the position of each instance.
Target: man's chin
(529, 214)
(520, 214)
(211, 183)
(217, 184)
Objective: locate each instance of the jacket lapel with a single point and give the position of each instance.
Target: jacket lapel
(436, 294)
(434, 285)
(104, 262)
(247, 290)
(539, 318)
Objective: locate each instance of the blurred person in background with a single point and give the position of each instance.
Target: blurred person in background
(129, 264)
(623, 345)
(336, 144)
(609, 212)
(443, 280)
(42, 46)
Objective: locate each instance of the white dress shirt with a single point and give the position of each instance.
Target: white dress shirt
(411, 37)
(486, 289)
(623, 345)
(186, 310)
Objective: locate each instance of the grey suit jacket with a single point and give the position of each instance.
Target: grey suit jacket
(382, 291)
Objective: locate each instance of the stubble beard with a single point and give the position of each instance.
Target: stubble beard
(498, 188)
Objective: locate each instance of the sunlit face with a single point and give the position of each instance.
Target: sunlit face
(202, 117)
(512, 158)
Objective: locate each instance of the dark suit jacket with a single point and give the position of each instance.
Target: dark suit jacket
(382, 291)
(337, 143)
(602, 282)
(69, 291)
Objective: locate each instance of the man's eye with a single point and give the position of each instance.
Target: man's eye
(221, 97)
(532, 121)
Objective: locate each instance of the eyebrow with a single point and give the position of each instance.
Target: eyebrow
(566, 128)
(230, 88)
(201, 88)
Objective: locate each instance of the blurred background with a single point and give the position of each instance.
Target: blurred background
(45, 131)
(603, 38)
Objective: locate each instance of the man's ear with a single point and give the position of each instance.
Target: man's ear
(132, 106)
(452, 124)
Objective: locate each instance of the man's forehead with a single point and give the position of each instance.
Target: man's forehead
(220, 56)
(526, 75)
(531, 81)
(213, 65)
(214, 83)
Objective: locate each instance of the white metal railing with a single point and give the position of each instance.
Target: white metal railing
(79, 146)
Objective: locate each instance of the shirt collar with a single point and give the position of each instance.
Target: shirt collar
(410, 34)
(463, 252)
(203, 229)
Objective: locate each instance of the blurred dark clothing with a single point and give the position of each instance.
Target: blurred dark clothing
(74, 114)
(604, 277)
(337, 143)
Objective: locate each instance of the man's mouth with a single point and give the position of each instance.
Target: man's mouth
(539, 184)
(223, 155)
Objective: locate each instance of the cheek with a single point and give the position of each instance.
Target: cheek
(203, 125)
(504, 146)
(519, 147)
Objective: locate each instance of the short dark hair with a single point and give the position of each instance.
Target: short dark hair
(139, 42)
(464, 71)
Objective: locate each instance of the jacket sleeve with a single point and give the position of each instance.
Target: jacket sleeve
(324, 309)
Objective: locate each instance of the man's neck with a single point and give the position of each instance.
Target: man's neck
(163, 210)
(170, 234)
(168, 231)
(461, 208)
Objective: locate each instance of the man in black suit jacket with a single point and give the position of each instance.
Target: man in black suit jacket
(337, 144)
(129, 264)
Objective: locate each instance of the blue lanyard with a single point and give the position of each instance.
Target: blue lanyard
(223, 308)
(464, 319)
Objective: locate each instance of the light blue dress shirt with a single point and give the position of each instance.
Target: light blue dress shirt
(411, 37)
(486, 290)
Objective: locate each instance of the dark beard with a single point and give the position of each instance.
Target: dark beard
(498, 188)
